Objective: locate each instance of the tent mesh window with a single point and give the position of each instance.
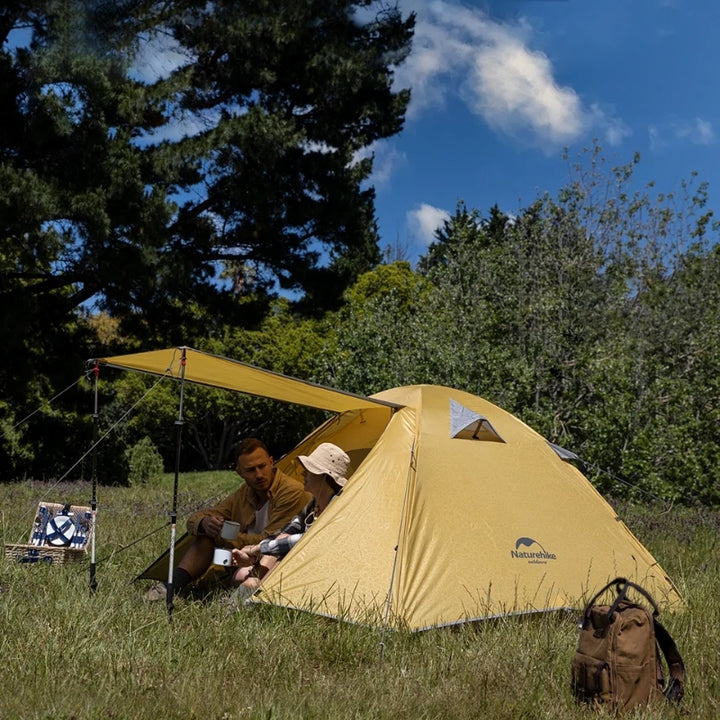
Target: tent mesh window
(466, 424)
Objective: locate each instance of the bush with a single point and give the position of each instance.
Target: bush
(144, 461)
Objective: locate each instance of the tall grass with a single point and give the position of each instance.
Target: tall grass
(68, 654)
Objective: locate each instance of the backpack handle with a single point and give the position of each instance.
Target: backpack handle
(621, 587)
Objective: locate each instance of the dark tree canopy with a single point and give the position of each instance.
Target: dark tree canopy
(294, 94)
(104, 206)
(291, 97)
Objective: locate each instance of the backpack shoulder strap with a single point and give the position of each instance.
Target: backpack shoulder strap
(676, 667)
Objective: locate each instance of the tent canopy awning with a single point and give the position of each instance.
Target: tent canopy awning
(221, 372)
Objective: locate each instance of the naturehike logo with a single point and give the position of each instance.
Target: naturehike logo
(534, 557)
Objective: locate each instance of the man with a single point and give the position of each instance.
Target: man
(325, 475)
(262, 506)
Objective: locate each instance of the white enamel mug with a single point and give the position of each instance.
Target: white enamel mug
(222, 557)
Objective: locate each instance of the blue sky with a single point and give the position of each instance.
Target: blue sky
(501, 88)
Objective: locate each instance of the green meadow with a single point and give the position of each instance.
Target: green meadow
(68, 654)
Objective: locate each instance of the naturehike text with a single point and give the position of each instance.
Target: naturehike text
(542, 555)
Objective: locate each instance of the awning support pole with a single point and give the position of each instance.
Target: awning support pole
(93, 501)
(173, 511)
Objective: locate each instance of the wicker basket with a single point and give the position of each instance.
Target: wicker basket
(32, 552)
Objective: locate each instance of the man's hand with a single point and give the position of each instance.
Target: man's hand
(211, 525)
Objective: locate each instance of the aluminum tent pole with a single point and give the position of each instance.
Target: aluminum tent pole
(93, 501)
(173, 511)
(411, 471)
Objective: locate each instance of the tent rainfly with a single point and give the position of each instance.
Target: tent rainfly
(454, 511)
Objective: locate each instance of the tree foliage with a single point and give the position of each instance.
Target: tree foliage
(593, 316)
(179, 204)
(293, 93)
(282, 101)
(142, 210)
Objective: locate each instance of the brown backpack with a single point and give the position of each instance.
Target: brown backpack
(617, 662)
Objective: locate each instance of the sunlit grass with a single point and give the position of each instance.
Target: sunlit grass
(69, 654)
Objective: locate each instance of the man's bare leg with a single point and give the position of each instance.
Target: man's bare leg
(198, 557)
(194, 563)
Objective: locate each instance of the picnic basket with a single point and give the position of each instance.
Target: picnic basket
(39, 549)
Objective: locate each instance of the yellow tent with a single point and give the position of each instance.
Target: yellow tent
(459, 512)
(454, 511)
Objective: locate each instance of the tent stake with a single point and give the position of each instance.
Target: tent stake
(173, 511)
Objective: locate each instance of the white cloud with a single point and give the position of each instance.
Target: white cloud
(424, 220)
(657, 138)
(613, 129)
(157, 57)
(513, 88)
(697, 131)
(179, 127)
(436, 56)
(491, 66)
(387, 159)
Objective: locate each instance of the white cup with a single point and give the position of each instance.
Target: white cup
(222, 557)
(230, 530)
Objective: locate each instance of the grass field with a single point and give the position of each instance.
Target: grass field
(66, 653)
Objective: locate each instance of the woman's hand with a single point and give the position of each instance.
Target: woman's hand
(245, 556)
